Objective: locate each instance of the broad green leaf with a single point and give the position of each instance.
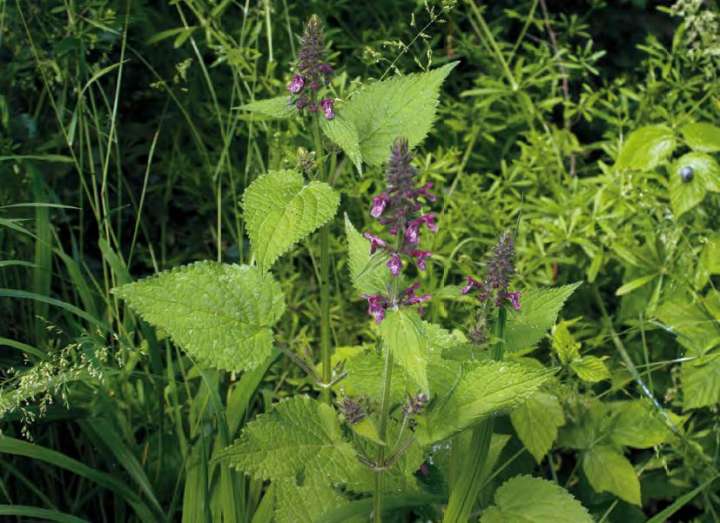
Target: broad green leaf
(637, 425)
(564, 343)
(708, 262)
(646, 148)
(281, 210)
(684, 195)
(299, 435)
(703, 137)
(609, 471)
(524, 499)
(343, 132)
(277, 107)
(220, 314)
(536, 422)
(307, 503)
(369, 273)
(539, 311)
(403, 334)
(695, 328)
(490, 388)
(382, 111)
(701, 382)
(586, 427)
(590, 368)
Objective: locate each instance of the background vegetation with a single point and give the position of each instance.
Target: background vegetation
(122, 154)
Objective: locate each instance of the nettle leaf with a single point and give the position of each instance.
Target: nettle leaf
(277, 107)
(281, 210)
(564, 343)
(609, 471)
(539, 311)
(299, 435)
(646, 148)
(306, 503)
(637, 425)
(403, 334)
(687, 193)
(220, 314)
(490, 388)
(372, 118)
(703, 137)
(590, 368)
(536, 422)
(700, 380)
(708, 262)
(524, 499)
(369, 272)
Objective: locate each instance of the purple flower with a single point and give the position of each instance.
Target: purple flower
(420, 257)
(301, 103)
(296, 84)
(375, 242)
(378, 205)
(424, 191)
(514, 298)
(415, 404)
(409, 297)
(352, 410)
(412, 232)
(377, 303)
(395, 264)
(327, 106)
(471, 283)
(429, 221)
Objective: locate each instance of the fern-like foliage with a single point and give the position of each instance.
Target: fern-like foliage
(220, 314)
(281, 210)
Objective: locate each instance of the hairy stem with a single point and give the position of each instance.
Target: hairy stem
(470, 479)
(382, 432)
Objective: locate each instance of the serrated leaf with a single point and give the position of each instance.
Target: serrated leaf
(637, 425)
(536, 422)
(539, 311)
(646, 148)
(281, 210)
(701, 382)
(564, 343)
(382, 111)
(343, 133)
(404, 335)
(590, 368)
(695, 328)
(703, 137)
(524, 499)
(490, 388)
(369, 272)
(299, 435)
(277, 107)
(609, 471)
(220, 314)
(684, 195)
(306, 503)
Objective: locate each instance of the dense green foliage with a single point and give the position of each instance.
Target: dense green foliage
(182, 265)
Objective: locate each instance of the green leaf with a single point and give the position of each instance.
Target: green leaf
(384, 110)
(701, 382)
(220, 314)
(307, 503)
(343, 132)
(536, 422)
(630, 286)
(404, 335)
(609, 471)
(299, 435)
(524, 499)
(277, 107)
(684, 195)
(703, 137)
(646, 148)
(280, 211)
(637, 425)
(490, 388)
(369, 272)
(539, 311)
(564, 343)
(695, 328)
(590, 368)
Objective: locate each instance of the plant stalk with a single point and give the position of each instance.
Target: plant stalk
(382, 433)
(470, 479)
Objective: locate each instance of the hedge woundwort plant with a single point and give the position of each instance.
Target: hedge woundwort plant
(406, 422)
